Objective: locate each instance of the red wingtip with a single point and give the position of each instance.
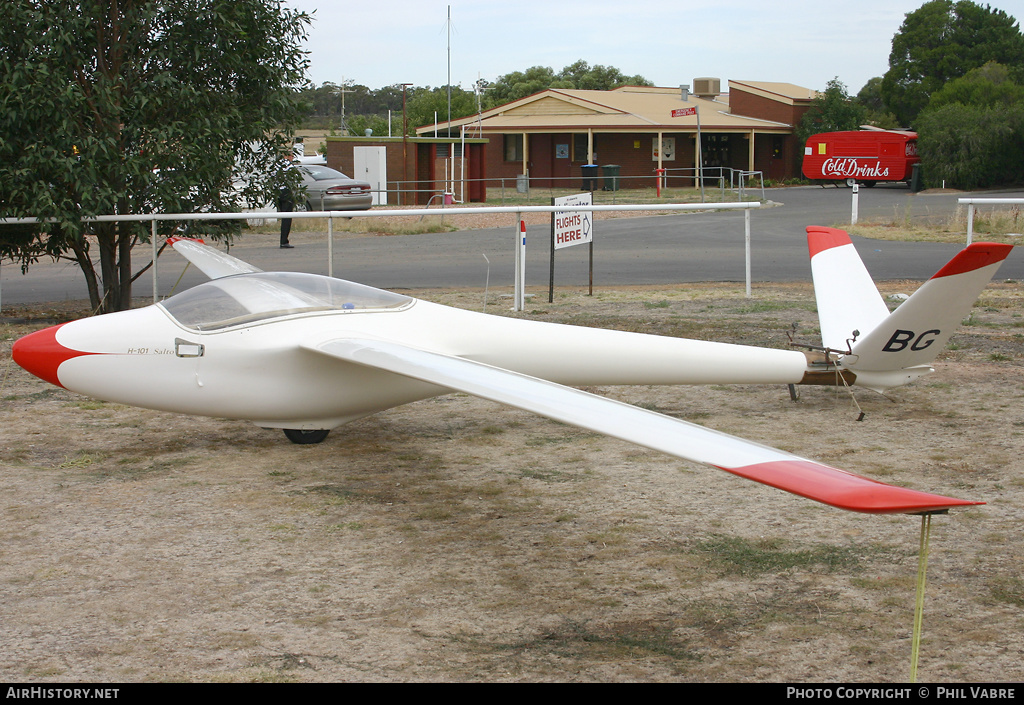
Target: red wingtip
(175, 238)
(820, 238)
(845, 490)
(41, 354)
(975, 256)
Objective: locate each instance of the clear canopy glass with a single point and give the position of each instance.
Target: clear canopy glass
(250, 298)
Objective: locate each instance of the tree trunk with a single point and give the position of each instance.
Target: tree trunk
(112, 289)
(107, 241)
(79, 247)
(124, 266)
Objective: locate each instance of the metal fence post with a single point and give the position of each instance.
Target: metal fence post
(152, 240)
(746, 240)
(519, 211)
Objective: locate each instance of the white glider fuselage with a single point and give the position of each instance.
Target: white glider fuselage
(266, 372)
(308, 353)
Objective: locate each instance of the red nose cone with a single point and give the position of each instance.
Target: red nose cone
(41, 354)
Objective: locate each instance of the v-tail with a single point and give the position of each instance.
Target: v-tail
(877, 348)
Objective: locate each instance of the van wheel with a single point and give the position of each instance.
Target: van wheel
(851, 182)
(304, 438)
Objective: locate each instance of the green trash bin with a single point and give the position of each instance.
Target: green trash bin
(611, 176)
(915, 177)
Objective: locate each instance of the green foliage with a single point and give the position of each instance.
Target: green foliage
(971, 135)
(943, 40)
(964, 146)
(365, 107)
(359, 124)
(428, 103)
(830, 111)
(519, 84)
(368, 106)
(870, 96)
(135, 106)
(875, 113)
(988, 86)
(579, 75)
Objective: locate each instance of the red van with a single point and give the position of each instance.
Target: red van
(861, 156)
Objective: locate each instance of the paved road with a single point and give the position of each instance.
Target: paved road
(650, 250)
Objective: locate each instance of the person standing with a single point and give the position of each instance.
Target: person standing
(285, 199)
(285, 204)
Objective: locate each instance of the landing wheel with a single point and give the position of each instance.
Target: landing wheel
(305, 437)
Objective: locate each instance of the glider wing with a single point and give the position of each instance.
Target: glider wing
(212, 262)
(747, 459)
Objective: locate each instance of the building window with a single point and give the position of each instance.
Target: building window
(717, 150)
(777, 145)
(445, 150)
(580, 152)
(513, 148)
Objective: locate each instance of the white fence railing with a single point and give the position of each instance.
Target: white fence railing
(972, 202)
(154, 218)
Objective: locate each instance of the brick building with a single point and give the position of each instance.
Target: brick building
(414, 170)
(551, 135)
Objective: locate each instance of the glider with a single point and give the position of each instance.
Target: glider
(879, 349)
(307, 353)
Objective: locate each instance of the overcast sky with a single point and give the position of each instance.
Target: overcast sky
(806, 42)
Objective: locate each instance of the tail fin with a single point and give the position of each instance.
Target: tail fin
(847, 298)
(893, 349)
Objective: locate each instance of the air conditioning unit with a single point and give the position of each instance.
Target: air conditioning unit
(707, 87)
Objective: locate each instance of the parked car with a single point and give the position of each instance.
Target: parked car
(329, 190)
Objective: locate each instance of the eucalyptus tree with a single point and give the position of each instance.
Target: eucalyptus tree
(134, 106)
(940, 41)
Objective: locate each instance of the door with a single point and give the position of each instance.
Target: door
(371, 165)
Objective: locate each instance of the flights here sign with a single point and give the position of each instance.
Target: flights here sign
(574, 227)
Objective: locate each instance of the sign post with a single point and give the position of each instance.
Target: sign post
(570, 228)
(519, 293)
(685, 112)
(856, 203)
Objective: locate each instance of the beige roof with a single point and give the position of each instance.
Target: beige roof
(630, 108)
(782, 92)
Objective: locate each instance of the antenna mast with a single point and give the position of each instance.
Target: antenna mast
(449, 26)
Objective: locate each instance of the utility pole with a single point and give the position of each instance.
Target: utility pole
(405, 138)
(449, 71)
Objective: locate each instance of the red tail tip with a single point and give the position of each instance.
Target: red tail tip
(820, 238)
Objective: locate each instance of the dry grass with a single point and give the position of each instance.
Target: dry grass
(991, 223)
(454, 540)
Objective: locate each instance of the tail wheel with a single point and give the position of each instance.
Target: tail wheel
(306, 437)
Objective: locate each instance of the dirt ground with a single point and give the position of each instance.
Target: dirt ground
(457, 540)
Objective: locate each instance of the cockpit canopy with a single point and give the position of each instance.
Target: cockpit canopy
(249, 298)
